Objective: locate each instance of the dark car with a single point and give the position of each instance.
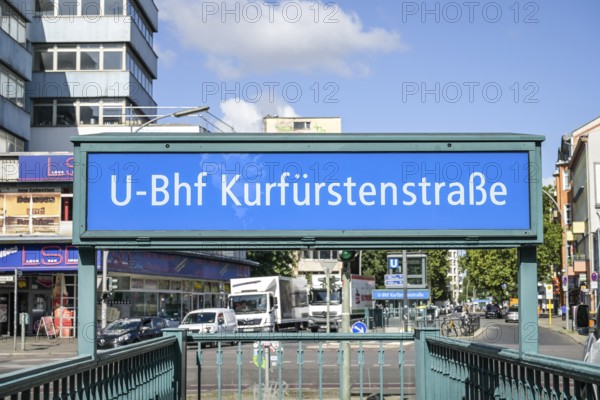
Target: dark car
(130, 330)
(493, 311)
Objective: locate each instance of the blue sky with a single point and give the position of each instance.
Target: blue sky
(386, 66)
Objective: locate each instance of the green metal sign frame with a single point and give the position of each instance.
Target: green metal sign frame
(159, 145)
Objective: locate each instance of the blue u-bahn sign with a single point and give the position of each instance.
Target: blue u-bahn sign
(296, 191)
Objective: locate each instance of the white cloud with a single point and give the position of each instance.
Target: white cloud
(248, 117)
(241, 36)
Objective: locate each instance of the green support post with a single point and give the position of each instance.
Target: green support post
(180, 360)
(423, 363)
(528, 316)
(86, 308)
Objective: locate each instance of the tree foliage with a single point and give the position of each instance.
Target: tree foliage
(277, 262)
(374, 263)
(438, 269)
(487, 270)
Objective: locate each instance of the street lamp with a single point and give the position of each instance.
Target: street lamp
(177, 114)
(566, 269)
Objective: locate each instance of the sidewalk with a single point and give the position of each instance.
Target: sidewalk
(558, 325)
(40, 345)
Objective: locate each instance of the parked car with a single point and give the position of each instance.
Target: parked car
(512, 315)
(130, 330)
(493, 311)
(210, 320)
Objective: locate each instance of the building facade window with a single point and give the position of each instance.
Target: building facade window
(96, 8)
(75, 112)
(12, 87)
(566, 179)
(568, 214)
(12, 23)
(10, 143)
(301, 125)
(83, 57)
(319, 254)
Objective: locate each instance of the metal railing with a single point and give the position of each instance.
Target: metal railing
(465, 370)
(150, 369)
(302, 365)
(309, 366)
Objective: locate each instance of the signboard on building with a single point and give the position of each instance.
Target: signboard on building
(398, 294)
(327, 192)
(37, 168)
(39, 257)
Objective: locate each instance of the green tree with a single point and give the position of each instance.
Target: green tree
(487, 270)
(277, 262)
(549, 253)
(374, 263)
(438, 268)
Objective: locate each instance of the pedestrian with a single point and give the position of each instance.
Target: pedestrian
(544, 307)
(563, 311)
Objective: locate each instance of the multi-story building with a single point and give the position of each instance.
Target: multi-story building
(578, 195)
(15, 72)
(455, 282)
(314, 125)
(71, 68)
(93, 67)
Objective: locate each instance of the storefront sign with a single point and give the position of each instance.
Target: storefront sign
(37, 257)
(40, 168)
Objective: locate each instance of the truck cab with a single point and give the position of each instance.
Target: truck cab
(255, 312)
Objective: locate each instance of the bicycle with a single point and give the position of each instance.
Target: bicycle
(448, 326)
(466, 328)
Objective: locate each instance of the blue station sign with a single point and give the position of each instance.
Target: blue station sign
(398, 294)
(326, 193)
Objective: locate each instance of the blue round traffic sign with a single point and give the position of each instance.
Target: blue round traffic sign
(359, 327)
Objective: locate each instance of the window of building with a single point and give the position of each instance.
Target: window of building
(568, 214)
(44, 7)
(43, 60)
(12, 87)
(67, 7)
(96, 8)
(66, 60)
(90, 7)
(89, 57)
(301, 125)
(113, 7)
(10, 143)
(72, 112)
(65, 113)
(12, 23)
(83, 57)
(89, 114)
(566, 179)
(113, 59)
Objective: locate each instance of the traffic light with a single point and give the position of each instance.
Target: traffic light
(347, 255)
(112, 284)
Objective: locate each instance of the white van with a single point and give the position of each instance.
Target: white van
(210, 320)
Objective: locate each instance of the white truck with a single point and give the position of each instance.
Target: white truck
(269, 303)
(361, 288)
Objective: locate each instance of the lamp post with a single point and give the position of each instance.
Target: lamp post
(177, 114)
(566, 264)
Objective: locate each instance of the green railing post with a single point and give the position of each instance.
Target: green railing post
(180, 361)
(528, 302)
(423, 362)
(86, 298)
